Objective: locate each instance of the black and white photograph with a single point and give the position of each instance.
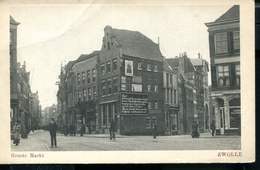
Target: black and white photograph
(124, 77)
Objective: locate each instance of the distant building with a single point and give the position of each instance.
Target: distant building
(20, 90)
(192, 92)
(77, 94)
(201, 67)
(13, 72)
(171, 101)
(35, 111)
(224, 42)
(47, 114)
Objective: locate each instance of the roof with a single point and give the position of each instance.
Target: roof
(166, 66)
(12, 21)
(136, 44)
(187, 65)
(196, 61)
(174, 62)
(82, 57)
(231, 14)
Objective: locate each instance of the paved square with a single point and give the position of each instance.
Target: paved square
(40, 141)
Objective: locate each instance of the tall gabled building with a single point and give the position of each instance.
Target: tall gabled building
(130, 83)
(224, 42)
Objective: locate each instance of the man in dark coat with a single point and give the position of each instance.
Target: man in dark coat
(52, 129)
(213, 127)
(112, 130)
(154, 131)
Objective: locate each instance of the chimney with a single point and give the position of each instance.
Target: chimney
(199, 56)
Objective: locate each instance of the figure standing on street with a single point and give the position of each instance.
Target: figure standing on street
(17, 133)
(154, 131)
(52, 129)
(213, 127)
(112, 130)
(195, 130)
(82, 129)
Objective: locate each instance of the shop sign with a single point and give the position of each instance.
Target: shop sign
(133, 103)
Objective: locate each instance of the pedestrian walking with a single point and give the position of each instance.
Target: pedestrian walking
(195, 130)
(82, 129)
(154, 131)
(17, 133)
(53, 129)
(112, 130)
(213, 127)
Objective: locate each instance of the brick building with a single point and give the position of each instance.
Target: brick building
(224, 42)
(201, 69)
(192, 92)
(130, 82)
(77, 94)
(13, 71)
(23, 103)
(171, 102)
(35, 111)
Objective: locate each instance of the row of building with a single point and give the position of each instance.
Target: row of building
(25, 106)
(129, 81)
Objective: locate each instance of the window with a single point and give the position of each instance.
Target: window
(149, 105)
(78, 77)
(80, 96)
(149, 67)
(108, 67)
(167, 79)
(102, 69)
(115, 87)
(175, 96)
(237, 67)
(148, 87)
(109, 85)
(94, 92)
(83, 76)
(103, 87)
(221, 45)
(155, 69)
(84, 94)
(139, 66)
(223, 75)
(171, 79)
(148, 123)
(236, 40)
(155, 88)
(155, 105)
(123, 79)
(89, 93)
(114, 65)
(93, 74)
(88, 76)
(123, 87)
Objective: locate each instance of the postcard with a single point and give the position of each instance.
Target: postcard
(127, 81)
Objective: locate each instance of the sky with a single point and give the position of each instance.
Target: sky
(52, 35)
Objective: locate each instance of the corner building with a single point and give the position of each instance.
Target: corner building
(130, 83)
(224, 42)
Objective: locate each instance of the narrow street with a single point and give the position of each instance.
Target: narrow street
(40, 141)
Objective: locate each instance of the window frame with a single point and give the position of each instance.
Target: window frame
(219, 49)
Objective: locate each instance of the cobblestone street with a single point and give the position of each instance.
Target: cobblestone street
(40, 141)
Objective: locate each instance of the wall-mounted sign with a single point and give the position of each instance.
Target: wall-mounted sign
(128, 68)
(133, 103)
(137, 87)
